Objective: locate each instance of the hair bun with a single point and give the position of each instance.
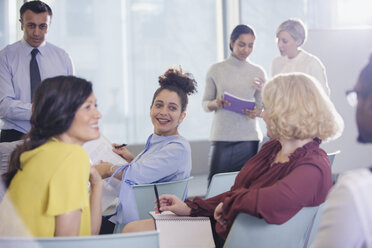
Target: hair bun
(177, 78)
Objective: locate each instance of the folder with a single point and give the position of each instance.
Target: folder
(238, 104)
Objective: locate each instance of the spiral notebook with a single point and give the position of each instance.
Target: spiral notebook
(183, 231)
(238, 104)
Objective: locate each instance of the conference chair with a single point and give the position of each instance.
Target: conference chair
(6, 148)
(318, 217)
(315, 225)
(148, 239)
(145, 196)
(221, 183)
(332, 156)
(249, 231)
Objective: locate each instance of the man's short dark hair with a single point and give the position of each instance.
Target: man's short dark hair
(36, 7)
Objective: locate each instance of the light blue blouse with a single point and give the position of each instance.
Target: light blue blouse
(164, 159)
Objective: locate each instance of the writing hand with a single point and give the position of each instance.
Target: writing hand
(174, 204)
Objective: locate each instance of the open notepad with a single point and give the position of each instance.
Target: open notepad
(238, 104)
(183, 231)
(101, 149)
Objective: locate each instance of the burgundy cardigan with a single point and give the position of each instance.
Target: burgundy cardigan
(275, 193)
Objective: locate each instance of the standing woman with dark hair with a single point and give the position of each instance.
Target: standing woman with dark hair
(167, 155)
(234, 136)
(49, 172)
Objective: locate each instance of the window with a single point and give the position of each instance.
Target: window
(123, 46)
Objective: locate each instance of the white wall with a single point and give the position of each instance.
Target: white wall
(344, 53)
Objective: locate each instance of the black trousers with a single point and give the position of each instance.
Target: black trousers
(9, 135)
(230, 156)
(107, 227)
(218, 241)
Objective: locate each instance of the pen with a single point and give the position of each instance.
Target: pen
(157, 197)
(120, 146)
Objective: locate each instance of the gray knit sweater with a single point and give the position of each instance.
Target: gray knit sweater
(236, 77)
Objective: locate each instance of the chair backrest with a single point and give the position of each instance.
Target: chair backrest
(332, 156)
(142, 240)
(220, 183)
(145, 195)
(315, 225)
(6, 148)
(250, 231)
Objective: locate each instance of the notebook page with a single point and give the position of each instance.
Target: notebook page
(183, 231)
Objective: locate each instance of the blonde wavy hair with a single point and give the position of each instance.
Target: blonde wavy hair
(296, 107)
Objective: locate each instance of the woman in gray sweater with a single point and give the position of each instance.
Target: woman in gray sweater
(234, 136)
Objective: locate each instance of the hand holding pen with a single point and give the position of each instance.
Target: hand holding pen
(123, 151)
(157, 198)
(221, 103)
(116, 146)
(172, 203)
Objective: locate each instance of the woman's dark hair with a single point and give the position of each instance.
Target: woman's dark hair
(56, 101)
(176, 80)
(238, 30)
(36, 7)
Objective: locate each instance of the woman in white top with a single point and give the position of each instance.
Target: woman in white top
(291, 34)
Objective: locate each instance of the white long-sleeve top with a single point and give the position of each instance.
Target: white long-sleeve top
(304, 62)
(347, 217)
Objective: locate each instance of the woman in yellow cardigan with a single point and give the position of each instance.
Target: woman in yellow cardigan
(49, 172)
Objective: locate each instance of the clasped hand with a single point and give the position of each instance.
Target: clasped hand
(218, 215)
(253, 113)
